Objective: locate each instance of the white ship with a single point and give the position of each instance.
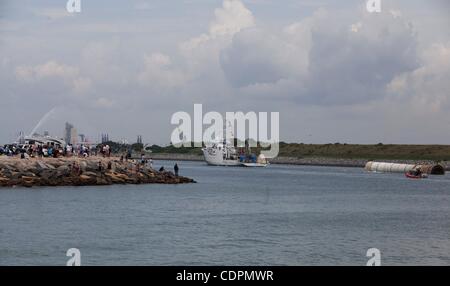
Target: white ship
(221, 154)
(225, 154)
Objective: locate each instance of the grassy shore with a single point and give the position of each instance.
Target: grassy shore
(369, 152)
(344, 151)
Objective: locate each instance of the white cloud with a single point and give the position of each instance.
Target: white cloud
(46, 70)
(231, 18)
(54, 71)
(257, 57)
(319, 60)
(426, 89)
(158, 72)
(199, 55)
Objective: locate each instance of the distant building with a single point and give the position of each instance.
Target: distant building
(139, 139)
(105, 138)
(21, 138)
(70, 134)
(74, 136)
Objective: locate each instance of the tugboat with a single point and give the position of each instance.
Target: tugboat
(252, 161)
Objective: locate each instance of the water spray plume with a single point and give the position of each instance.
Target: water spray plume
(43, 120)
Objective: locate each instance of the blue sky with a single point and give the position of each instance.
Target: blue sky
(335, 72)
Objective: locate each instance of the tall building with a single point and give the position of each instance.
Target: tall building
(105, 138)
(73, 136)
(139, 139)
(70, 134)
(21, 138)
(67, 132)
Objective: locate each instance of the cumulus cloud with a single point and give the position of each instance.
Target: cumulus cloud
(46, 70)
(426, 88)
(354, 66)
(230, 19)
(339, 58)
(53, 71)
(201, 53)
(198, 56)
(158, 72)
(256, 57)
(326, 59)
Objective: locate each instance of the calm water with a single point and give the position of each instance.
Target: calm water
(280, 215)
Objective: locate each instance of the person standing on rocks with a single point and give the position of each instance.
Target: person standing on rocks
(69, 150)
(108, 151)
(128, 156)
(40, 151)
(175, 168)
(150, 163)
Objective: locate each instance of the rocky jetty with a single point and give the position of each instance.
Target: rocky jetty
(80, 172)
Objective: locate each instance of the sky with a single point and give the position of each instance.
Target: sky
(333, 71)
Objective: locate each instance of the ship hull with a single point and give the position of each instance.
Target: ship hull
(216, 159)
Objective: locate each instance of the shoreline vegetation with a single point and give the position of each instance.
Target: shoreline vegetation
(336, 154)
(76, 171)
(435, 153)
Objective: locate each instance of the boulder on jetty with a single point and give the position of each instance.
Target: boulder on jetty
(74, 171)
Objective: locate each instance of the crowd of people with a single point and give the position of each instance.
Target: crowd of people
(55, 151)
